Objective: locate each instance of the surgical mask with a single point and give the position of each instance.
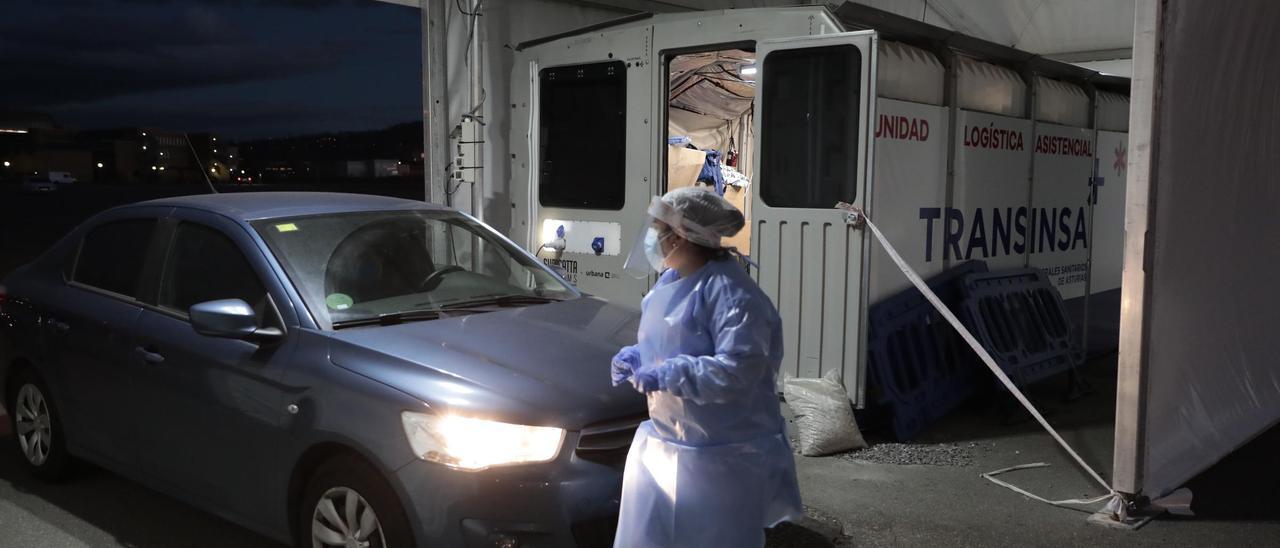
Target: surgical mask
(653, 248)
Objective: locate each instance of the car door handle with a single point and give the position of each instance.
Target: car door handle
(149, 354)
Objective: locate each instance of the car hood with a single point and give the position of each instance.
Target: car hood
(543, 365)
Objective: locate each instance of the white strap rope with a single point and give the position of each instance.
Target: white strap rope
(991, 476)
(855, 215)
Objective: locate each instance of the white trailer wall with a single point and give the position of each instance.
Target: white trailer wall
(1200, 378)
(504, 24)
(1108, 212)
(1059, 200)
(910, 174)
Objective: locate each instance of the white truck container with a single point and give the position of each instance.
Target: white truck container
(62, 177)
(957, 148)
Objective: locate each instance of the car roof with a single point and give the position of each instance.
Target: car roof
(252, 206)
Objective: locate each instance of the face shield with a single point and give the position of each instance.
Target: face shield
(660, 224)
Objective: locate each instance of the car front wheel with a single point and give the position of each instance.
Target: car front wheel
(37, 427)
(347, 503)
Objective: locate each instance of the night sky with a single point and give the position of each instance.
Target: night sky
(240, 68)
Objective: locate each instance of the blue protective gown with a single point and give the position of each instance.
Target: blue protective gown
(712, 466)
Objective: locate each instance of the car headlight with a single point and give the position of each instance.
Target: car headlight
(476, 444)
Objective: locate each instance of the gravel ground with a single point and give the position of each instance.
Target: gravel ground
(943, 454)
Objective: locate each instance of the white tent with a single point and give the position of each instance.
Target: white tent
(1196, 379)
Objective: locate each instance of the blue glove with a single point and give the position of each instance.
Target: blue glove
(625, 364)
(647, 381)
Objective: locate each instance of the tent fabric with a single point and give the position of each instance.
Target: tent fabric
(1211, 380)
(709, 84)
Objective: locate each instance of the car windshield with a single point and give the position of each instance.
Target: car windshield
(391, 266)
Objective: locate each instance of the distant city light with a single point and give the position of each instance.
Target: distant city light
(215, 151)
(241, 171)
(6, 164)
(211, 170)
(153, 168)
(144, 147)
(99, 165)
(231, 156)
(162, 153)
(215, 139)
(161, 168)
(13, 131)
(144, 134)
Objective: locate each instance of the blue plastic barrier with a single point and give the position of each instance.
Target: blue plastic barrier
(1019, 317)
(919, 367)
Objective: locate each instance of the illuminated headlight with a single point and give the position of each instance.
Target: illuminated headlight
(476, 444)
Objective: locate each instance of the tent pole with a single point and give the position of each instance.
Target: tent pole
(435, 103)
(1131, 386)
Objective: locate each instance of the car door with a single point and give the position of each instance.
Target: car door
(815, 104)
(88, 329)
(211, 410)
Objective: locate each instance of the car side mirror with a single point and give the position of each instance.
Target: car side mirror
(231, 319)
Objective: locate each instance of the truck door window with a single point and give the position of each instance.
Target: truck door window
(582, 136)
(809, 126)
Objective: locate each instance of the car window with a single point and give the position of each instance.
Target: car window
(359, 266)
(205, 265)
(111, 256)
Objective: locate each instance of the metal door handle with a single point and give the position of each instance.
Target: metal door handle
(149, 354)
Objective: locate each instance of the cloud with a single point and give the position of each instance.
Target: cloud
(56, 58)
(94, 63)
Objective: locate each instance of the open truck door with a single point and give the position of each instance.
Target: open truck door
(814, 108)
(584, 184)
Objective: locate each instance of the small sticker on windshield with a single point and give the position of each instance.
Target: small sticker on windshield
(286, 227)
(339, 301)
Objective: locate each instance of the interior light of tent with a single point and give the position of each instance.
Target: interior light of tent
(748, 70)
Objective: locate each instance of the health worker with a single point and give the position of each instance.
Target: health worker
(712, 466)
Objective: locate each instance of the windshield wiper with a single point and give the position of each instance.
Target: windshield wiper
(391, 318)
(502, 301)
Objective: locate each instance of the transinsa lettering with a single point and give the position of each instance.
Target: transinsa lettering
(1012, 231)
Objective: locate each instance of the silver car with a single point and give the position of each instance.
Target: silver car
(326, 369)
